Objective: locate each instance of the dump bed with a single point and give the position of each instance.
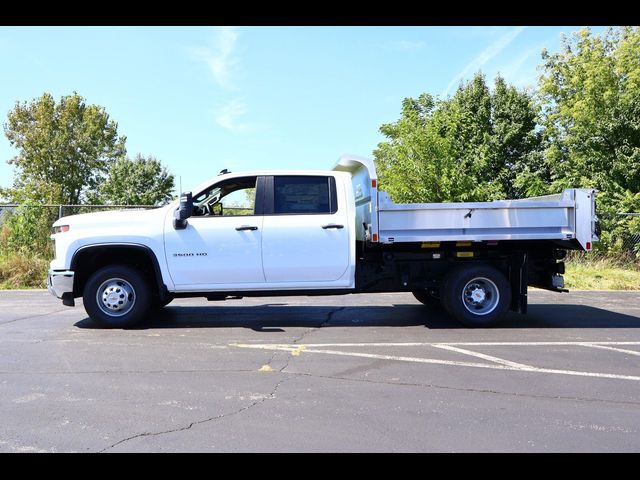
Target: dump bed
(565, 216)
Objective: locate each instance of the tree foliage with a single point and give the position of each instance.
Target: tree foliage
(141, 181)
(63, 148)
(470, 147)
(580, 129)
(70, 152)
(26, 231)
(591, 93)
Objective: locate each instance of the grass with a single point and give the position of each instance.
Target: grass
(583, 272)
(591, 272)
(21, 271)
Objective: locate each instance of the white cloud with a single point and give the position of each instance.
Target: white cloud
(229, 116)
(221, 57)
(517, 72)
(485, 56)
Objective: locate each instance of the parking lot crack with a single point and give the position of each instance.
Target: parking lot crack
(325, 323)
(330, 316)
(215, 418)
(299, 339)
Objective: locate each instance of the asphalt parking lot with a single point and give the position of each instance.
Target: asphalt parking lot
(374, 373)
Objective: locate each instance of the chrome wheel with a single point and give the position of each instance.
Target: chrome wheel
(115, 297)
(480, 296)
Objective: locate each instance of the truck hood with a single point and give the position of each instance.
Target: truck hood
(115, 220)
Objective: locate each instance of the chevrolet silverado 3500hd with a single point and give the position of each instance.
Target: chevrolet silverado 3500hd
(268, 233)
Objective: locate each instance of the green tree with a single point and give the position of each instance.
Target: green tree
(141, 181)
(470, 147)
(417, 164)
(63, 148)
(591, 93)
(27, 231)
(516, 143)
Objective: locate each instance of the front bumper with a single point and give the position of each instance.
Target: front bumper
(60, 284)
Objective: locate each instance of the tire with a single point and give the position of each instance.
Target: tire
(476, 295)
(117, 296)
(425, 297)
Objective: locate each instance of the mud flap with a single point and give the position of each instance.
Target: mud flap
(518, 273)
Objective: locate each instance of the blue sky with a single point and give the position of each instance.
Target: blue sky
(201, 99)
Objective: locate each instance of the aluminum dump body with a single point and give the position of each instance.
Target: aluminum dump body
(565, 216)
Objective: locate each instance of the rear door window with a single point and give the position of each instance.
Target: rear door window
(304, 195)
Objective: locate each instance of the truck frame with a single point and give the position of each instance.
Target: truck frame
(318, 232)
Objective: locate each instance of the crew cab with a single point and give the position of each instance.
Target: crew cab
(318, 232)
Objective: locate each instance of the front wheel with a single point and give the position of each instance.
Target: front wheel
(117, 296)
(476, 295)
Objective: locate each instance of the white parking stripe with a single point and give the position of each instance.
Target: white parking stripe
(468, 344)
(503, 364)
(501, 361)
(524, 368)
(535, 344)
(621, 350)
(413, 359)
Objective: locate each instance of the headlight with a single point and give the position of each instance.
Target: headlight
(60, 229)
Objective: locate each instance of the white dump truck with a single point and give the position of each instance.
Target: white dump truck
(318, 232)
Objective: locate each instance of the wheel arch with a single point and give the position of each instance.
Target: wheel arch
(89, 258)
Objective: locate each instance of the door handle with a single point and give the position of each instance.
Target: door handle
(332, 225)
(246, 227)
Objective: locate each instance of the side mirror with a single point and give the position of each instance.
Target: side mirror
(183, 212)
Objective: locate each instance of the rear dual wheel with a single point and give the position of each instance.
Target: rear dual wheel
(476, 295)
